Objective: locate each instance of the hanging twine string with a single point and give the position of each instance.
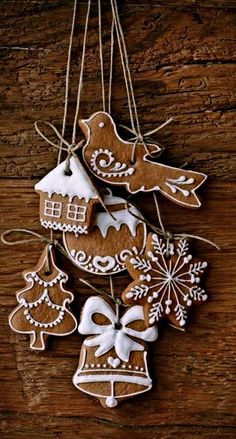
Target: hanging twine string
(101, 54)
(169, 236)
(71, 147)
(111, 65)
(111, 296)
(134, 119)
(37, 237)
(67, 81)
(80, 85)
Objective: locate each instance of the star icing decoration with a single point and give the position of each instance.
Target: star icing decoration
(166, 280)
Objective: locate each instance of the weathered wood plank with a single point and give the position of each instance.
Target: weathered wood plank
(195, 84)
(35, 427)
(183, 64)
(201, 355)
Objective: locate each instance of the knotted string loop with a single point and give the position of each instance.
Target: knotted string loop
(169, 236)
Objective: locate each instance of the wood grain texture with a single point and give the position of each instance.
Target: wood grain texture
(183, 64)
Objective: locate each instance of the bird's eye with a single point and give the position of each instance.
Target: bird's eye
(101, 125)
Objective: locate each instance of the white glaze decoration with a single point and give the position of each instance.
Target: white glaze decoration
(107, 336)
(76, 184)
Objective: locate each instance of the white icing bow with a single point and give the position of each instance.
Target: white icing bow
(107, 335)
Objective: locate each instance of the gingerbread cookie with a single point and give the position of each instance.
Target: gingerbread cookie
(113, 362)
(165, 284)
(43, 303)
(67, 198)
(109, 158)
(110, 241)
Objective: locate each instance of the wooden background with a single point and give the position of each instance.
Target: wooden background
(183, 59)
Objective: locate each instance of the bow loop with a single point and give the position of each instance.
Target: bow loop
(107, 336)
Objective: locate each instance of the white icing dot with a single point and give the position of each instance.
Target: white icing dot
(86, 366)
(136, 367)
(129, 295)
(130, 367)
(168, 302)
(101, 125)
(141, 368)
(204, 264)
(189, 302)
(98, 365)
(111, 402)
(155, 294)
(104, 365)
(150, 299)
(25, 312)
(123, 366)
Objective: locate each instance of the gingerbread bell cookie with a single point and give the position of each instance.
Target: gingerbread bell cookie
(167, 280)
(43, 303)
(116, 234)
(67, 198)
(110, 159)
(113, 360)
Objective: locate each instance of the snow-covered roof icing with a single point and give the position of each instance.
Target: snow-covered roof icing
(77, 184)
(104, 220)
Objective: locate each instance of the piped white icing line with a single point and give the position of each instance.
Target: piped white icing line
(76, 184)
(107, 336)
(64, 227)
(83, 376)
(104, 221)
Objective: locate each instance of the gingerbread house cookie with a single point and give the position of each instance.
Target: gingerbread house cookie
(67, 199)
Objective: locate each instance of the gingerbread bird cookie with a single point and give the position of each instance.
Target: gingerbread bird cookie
(109, 158)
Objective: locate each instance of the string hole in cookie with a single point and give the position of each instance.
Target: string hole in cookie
(68, 172)
(118, 325)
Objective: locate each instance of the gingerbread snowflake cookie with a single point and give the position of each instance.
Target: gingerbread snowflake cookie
(167, 281)
(113, 361)
(43, 303)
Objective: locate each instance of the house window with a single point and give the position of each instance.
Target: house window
(76, 212)
(52, 208)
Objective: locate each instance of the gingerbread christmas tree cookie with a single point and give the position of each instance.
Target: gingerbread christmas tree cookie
(43, 303)
(167, 280)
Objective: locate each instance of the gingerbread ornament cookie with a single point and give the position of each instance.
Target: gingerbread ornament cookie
(167, 281)
(109, 158)
(43, 303)
(110, 242)
(67, 198)
(113, 362)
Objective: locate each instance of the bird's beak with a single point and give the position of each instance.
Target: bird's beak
(83, 123)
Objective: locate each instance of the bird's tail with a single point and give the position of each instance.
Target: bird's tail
(180, 185)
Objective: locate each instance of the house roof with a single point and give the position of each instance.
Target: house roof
(77, 184)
